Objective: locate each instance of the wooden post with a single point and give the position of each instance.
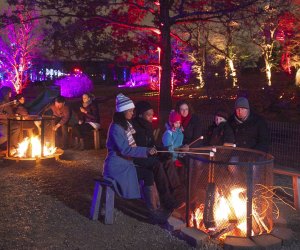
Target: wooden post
(296, 188)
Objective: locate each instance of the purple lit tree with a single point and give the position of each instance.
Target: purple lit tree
(18, 46)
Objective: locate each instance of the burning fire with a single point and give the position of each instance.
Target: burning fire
(230, 215)
(32, 148)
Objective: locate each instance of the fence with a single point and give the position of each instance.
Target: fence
(285, 141)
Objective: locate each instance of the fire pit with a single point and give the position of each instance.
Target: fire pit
(230, 192)
(31, 138)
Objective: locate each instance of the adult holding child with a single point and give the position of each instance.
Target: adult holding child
(119, 165)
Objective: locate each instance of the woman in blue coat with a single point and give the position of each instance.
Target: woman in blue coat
(119, 164)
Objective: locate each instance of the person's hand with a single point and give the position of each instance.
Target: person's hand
(83, 110)
(56, 127)
(152, 151)
(80, 122)
(185, 148)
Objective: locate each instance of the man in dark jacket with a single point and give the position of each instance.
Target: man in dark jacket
(249, 128)
(167, 181)
(61, 113)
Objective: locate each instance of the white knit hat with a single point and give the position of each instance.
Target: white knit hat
(123, 103)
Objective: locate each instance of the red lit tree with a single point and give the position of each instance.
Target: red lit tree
(18, 43)
(157, 19)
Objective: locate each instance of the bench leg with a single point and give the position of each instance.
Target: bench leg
(94, 212)
(109, 206)
(296, 187)
(96, 139)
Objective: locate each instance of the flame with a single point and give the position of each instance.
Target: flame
(230, 213)
(31, 147)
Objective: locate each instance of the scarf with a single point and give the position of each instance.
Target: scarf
(185, 120)
(129, 132)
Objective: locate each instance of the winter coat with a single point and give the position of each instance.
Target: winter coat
(172, 139)
(64, 113)
(252, 133)
(21, 110)
(144, 132)
(92, 113)
(192, 132)
(218, 135)
(118, 164)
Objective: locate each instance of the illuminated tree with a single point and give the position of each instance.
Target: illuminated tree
(157, 19)
(263, 32)
(18, 43)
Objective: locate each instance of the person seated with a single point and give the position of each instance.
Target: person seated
(88, 120)
(219, 133)
(119, 166)
(173, 136)
(21, 111)
(61, 113)
(6, 111)
(166, 179)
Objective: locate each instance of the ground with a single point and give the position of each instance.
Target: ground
(46, 206)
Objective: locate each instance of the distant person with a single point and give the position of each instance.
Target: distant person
(88, 120)
(219, 133)
(61, 113)
(20, 109)
(250, 130)
(6, 111)
(119, 165)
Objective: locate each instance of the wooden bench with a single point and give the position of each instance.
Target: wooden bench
(96, 137)
(102, 185)
(296, 183)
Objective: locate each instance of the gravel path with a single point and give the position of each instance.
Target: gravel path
(46, 206)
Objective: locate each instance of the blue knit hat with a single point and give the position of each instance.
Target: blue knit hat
(242, 102)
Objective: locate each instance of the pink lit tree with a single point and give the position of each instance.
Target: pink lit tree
(18, 43)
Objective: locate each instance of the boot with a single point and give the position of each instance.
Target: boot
(157, 215)
(81, 144)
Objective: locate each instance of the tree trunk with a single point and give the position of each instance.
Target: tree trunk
(165, 99)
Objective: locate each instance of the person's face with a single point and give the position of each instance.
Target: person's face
(59, 105)
(241, 113)
(184, 110)
(218, 120)
(85, 98)
(22, 100)
(128, 114)
(176, 124)
(148, 115)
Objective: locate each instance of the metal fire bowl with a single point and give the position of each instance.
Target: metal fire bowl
(56, 155)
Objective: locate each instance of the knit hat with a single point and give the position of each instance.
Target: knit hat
(222, 113)
(174, 117)
(123, 103)
(141, 107)
(242, 102)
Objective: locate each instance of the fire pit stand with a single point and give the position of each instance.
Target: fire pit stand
(31, 138)
(214, 182)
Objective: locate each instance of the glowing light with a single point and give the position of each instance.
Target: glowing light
(31, 147)
(298, 78)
